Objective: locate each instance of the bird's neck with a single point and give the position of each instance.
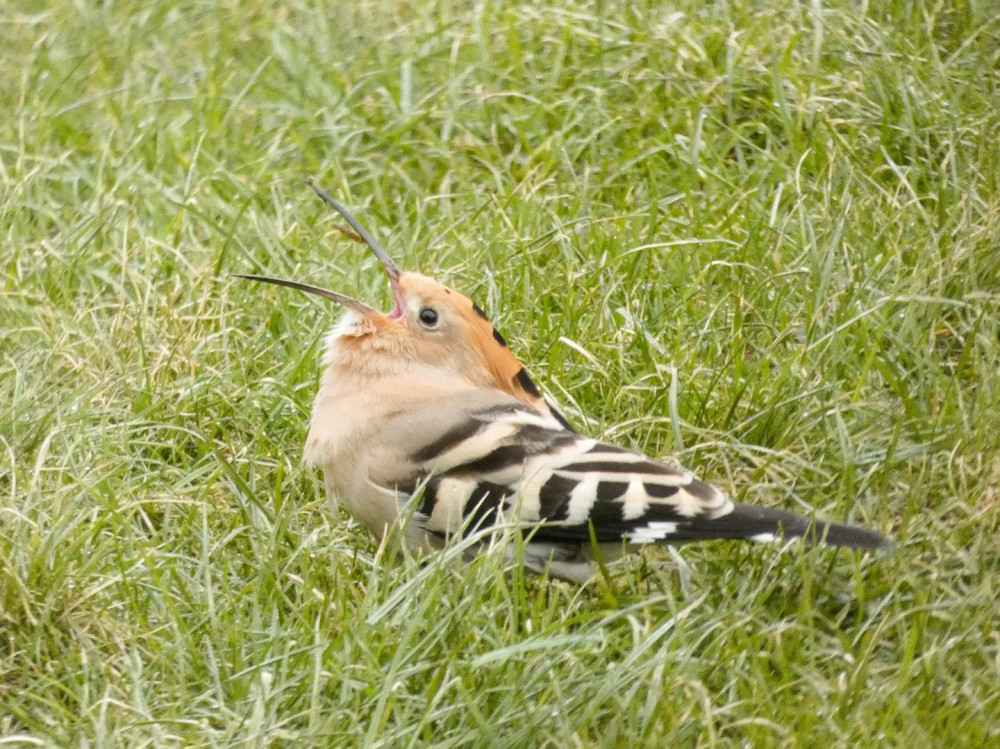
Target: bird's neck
(353, 402)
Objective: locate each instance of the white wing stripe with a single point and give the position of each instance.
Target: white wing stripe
(610, 457)
(688, 505)
(526, 418)
(635, 501)
(451, 496)
(581, 499)
(653, 532)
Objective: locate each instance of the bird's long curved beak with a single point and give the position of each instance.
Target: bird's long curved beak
(342, 299)
(387, 262)
(391, 269)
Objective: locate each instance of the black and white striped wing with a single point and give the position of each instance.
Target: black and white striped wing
(504, 461)
(511, 462)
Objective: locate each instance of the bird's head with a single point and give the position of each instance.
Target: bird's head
(431, 327)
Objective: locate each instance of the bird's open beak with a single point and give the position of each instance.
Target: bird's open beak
(346, 301)
(391, 269)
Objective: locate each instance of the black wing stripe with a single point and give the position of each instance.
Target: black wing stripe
(544, 439)
(485, 506)
(560, 418)
(499, 459)
(458, 433)
(648, 468)
(609, 491)
(429, 499)
(659, 491)
(553, 497)
(600, 447)
(705, 492)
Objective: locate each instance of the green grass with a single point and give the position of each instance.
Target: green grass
(787, 212)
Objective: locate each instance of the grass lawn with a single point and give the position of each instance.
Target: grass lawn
(762, 236)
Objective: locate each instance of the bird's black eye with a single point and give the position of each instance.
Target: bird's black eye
(428, 317)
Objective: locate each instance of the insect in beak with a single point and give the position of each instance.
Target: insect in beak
(391, 269)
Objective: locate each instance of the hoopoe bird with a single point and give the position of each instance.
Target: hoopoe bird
(427, 403)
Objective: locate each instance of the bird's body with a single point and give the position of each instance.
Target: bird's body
(427, 402)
